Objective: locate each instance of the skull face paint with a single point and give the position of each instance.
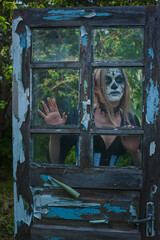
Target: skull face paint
(115, 83)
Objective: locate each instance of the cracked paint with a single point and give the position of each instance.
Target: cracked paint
(65, 15)
(152, 148)
(153, 95)
(133, 211)
(84, 36)
(152, 102)
(72, 213)
(21, 41)
(85, 89)
(53, 238)
(86, 116)
(153, 191)
(53, 206)
(114, 209)
(151, 53)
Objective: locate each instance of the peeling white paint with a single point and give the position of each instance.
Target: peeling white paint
(20, 108)
(42, 202)
(152, 148)
(28, 36)
(15, 37)
(20, 213)
(84, 36)
(133, 211)
(89, 15)
(86, 116)
(48, 200)
(83, 31)
(99, 221)
(153, 191)
(38, 213)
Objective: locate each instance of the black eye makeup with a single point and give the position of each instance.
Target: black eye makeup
(108, 80)
(119, 79)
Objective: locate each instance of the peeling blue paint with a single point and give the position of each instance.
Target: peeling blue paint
(64, 15)
(53, 238)
(152, 102)
(114, 209)
(45, 177)
(84, 40)
(151, 53)
(103, 14)
(23, 39)
(72, 213)
(19, 224)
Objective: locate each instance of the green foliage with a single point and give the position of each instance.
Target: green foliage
(125, 160)
(40, 148)
(118, 43)
(6, 204)
(134, 77)
(71, 157)
(56, 45)
(6, 149)
(62, 85)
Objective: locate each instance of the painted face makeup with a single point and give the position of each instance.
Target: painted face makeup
(115, 84)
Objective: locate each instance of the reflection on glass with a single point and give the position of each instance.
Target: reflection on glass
(118, 151)
(53, 45)
(55, 149)
(60, 85)
(118, 44)
(118, 97)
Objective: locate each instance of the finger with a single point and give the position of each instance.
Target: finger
(45, 107)
(64, 117)
(41, 113)
(129, 126)
(55, 105)
(50, 104)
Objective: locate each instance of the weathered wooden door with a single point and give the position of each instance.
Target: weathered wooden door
(100, 202)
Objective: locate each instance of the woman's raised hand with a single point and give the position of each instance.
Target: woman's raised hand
(131, 143)
(52, 115)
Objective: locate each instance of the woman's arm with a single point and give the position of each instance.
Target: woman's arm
(54, 148)
(53, 117)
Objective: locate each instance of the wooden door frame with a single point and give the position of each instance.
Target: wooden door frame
(23, 20)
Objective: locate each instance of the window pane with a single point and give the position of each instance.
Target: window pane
(60, 85)
(54, 45)
(116, 151)
(55, 149)
(118, 44)
(117, 97)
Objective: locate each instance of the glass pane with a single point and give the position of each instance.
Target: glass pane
(117, 151)
(60, 85)
(117, 97)
(118, 44)
(55, 149)
(54, 45)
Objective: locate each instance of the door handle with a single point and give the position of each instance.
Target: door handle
(149, 220)
(141, 220)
